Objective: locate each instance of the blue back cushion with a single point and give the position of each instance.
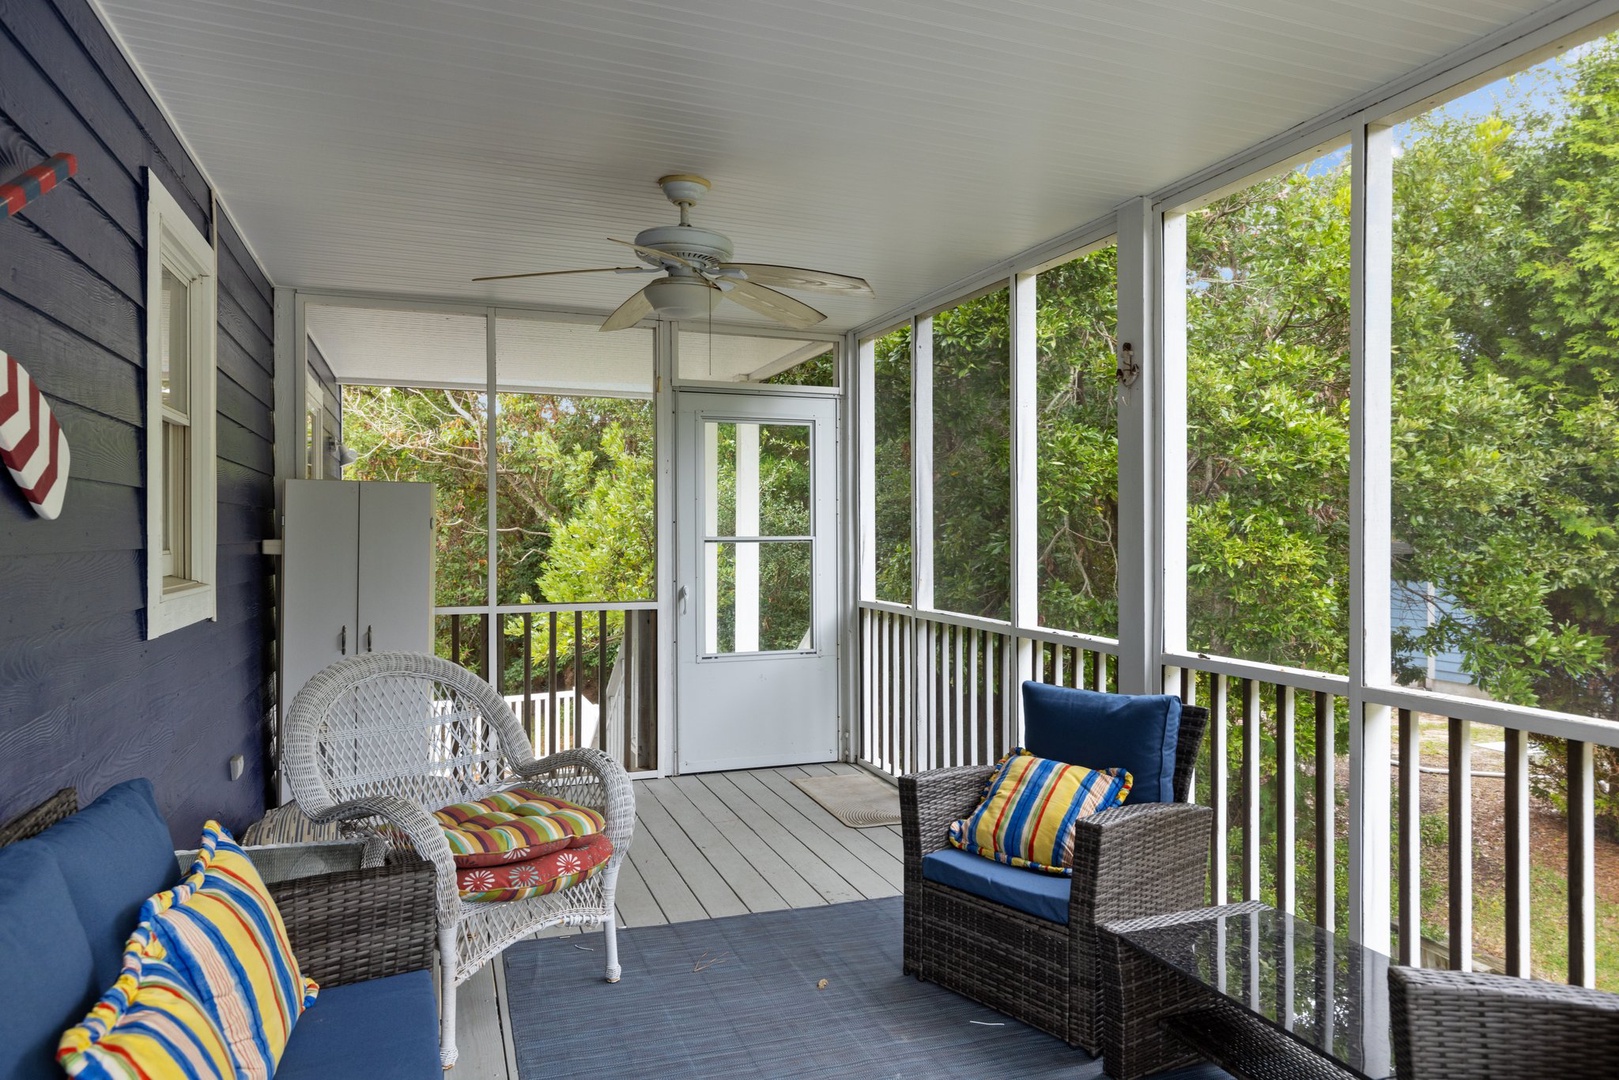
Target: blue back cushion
(1135, 732)
(46, 982)
(113, 854)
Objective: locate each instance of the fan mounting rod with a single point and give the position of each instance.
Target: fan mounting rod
(683, 189)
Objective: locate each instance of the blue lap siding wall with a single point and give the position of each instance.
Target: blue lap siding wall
(85, 699)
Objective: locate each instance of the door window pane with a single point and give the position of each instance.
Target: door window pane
(759, 596)
(760, 478)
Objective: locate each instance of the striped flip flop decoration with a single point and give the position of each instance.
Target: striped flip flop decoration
(33, 446)
(24, 188)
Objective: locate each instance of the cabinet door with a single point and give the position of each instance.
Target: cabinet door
(319, 579)
(396, 567)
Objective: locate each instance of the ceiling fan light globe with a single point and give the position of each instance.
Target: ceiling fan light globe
(682, 298)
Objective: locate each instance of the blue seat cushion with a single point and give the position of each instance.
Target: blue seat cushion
(113, 854)
(1045, 896)
(46, 982)
(365, 1030)
(1135, 732)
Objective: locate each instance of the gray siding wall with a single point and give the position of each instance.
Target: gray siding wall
(85, 699)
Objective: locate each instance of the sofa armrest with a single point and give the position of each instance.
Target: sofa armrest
(1147, 859)
(1450, 1023)
(354, 925)
(930, 801)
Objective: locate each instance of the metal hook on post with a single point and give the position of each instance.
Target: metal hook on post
(1128, 370)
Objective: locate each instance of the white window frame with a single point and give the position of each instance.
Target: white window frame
(174, 243)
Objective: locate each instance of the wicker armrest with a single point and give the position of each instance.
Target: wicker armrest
(1140, 860)
(930, 801)
(588, 777)
(1453, 1023)
(354, 925)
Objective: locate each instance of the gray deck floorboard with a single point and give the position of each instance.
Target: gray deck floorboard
(706, 846)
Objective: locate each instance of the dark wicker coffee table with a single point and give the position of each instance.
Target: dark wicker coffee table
(1261, 993)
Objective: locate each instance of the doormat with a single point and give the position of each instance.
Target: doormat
(859, 800)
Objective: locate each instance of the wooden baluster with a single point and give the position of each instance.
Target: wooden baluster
(1410, 827)
(1219, 758)
(1286, 808)
(1517, 824)
(551, 745)
(1461, 844)
(1326, 807)
(528, 675)
(1581, 865)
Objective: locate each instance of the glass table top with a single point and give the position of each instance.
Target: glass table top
(1325, 991)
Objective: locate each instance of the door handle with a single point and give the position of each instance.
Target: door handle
(343, 640)
(368, 639)
(680, 598)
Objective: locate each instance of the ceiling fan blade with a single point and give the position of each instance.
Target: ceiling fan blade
(556, 273)
(656, 255)
(630, 312)
(796, 277)
(769, 302)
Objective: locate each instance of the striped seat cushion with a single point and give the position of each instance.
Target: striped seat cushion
(515, 826)
(150, 1026)
(222, 932)
(537, 876)
(1030, 807)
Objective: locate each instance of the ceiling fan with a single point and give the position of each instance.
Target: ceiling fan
(698, 271)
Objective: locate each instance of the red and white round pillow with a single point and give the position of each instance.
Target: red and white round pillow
(33, 446)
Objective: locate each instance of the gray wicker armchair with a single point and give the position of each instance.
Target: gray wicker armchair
(1145, 859)
(1459, 1025)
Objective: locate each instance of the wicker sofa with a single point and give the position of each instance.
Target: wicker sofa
(366, 936)
(1135, 860)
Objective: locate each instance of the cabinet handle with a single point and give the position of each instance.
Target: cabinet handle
(368, 639)
(343, 639)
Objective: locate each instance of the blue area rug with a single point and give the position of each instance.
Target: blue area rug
(739, 997)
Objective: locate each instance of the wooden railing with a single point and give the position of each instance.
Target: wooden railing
(936, 689)
(1491, 866)
(574, 674)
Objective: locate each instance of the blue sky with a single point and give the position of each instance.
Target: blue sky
(1540, 86)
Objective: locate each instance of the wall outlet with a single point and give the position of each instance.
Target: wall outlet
(237, 764)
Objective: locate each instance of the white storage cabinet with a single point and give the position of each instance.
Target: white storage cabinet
(356, 574)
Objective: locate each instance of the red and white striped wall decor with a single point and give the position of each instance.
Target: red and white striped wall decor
(33, 445)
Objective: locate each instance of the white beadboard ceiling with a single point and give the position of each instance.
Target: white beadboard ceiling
(406, 146)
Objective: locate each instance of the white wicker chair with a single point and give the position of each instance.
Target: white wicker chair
(390, 737)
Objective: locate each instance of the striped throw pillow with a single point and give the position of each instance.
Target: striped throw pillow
(1030, 807)
(222, 932)
(150, 1026)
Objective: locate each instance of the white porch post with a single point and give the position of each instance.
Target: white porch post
(1025, 610)
(864, 449)
(922, 464)
(1370, 396)
(1140, 488)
